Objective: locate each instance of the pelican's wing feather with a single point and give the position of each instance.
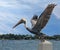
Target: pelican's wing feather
(43, 18)
(34, 20)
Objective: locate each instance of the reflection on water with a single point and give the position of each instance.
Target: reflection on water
(24, 44)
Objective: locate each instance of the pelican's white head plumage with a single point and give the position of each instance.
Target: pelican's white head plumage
(23, 20)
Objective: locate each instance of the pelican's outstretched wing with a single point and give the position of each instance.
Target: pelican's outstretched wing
(43, 18)
(34, 20)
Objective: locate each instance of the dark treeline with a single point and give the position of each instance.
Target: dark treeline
(16, 37)
(27, 37)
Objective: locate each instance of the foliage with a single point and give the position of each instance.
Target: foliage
(11, 36)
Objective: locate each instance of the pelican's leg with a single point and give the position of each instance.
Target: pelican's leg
(42, 38)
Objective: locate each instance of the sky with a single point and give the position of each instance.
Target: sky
(11, 11)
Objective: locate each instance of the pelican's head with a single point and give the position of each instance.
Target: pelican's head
(23, 20)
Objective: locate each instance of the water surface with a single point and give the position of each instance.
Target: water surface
(24, 44)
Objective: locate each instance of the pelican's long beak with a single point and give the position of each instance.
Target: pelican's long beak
(18, 23)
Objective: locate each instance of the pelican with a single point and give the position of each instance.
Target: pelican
(38, 23)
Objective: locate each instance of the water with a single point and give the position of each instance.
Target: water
(24, 45)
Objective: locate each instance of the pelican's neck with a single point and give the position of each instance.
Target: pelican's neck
(27, 27)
